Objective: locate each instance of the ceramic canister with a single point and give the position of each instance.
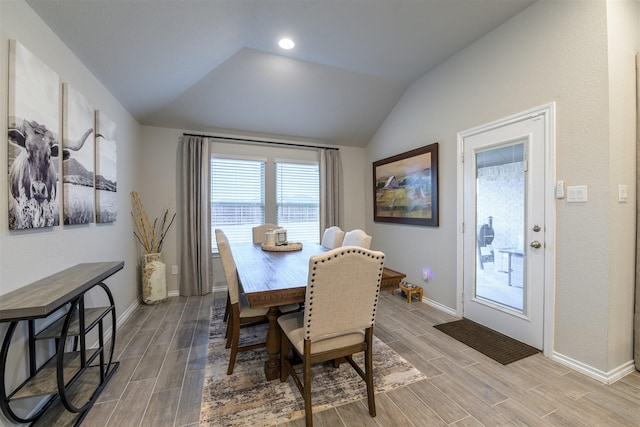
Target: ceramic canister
(270, 238)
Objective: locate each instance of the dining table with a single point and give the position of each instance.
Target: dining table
(271, 278)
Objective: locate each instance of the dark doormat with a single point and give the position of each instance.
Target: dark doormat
(495, 345)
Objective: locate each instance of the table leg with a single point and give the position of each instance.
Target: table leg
(272, 366)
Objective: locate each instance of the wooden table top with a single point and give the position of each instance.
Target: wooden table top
(41, 298)
(271, 279)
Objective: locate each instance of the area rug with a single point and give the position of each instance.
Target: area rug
(246, 398)
(499, 347)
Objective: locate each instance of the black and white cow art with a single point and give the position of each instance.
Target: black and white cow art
(32, 175)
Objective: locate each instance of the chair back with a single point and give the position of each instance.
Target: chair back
(342, 292)
(332, 237)
(357, 237)
(260, 231)
(229, 266)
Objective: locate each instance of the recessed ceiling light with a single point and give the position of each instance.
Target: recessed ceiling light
(286, 44)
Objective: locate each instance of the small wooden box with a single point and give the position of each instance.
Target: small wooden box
(391, 279)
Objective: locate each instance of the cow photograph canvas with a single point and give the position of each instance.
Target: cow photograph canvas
(33, 141)
(78, 158)
(106, 170)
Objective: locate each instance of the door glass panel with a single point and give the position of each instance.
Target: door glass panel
(500, 226)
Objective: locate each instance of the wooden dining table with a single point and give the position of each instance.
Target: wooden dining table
(271, 279)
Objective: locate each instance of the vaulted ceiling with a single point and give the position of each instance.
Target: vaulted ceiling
(214, 65)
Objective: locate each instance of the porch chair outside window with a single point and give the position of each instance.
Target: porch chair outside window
(357, 237)
(260, 231)
(332, 237)
(340, 308)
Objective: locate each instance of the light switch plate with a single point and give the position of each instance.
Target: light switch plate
(623, 191)
(577, 194)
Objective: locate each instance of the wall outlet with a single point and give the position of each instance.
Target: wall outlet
(174, 269)
(426, 274)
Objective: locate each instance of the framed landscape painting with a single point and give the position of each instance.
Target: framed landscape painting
(405, 187)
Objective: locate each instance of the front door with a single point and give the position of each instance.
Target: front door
(504, 227)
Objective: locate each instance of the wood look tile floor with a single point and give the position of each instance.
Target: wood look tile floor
(162, 352)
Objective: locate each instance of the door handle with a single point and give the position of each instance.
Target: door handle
(535, 244)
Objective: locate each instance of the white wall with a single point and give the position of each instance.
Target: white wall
(552, 51)
(30, 255)
(158, 185)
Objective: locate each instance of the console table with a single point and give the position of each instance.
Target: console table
(74, 374)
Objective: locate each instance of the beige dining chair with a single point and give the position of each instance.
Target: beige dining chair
(240, 313)
(332, 237)
(341, 299)
(357, 237)
(260, 231)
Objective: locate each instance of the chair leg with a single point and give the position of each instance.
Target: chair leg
(307, 384)
(235, 337)
(228, 333)
(368, 365)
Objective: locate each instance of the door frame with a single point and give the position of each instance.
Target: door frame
(547, 112)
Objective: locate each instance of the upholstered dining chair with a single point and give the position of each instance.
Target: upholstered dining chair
(340, 308)
(260, 230)
(332, 237)
(240, 312)
(357, 237)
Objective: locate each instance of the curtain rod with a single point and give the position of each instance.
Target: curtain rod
(290, 144)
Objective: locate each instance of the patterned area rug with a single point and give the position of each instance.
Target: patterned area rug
(245, 398)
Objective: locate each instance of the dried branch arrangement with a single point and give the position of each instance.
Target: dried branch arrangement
(149, 235)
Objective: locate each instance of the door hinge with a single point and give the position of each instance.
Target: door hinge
(525, 165)
(462, 228)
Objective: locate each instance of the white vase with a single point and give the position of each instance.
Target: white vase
(154, 279)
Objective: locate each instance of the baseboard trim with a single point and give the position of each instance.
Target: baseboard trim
(601, 376)
(439, 306)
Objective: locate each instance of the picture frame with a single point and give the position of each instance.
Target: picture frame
(405, 187)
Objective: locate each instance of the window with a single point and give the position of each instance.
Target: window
(298, 200)
(237, 197)
(253, 185)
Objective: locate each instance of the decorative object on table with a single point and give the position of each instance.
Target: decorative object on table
(106, 169)
(269, 403)
(33, 141)
(409, 289)
(151, 236)
(289, 247)
(281, 236)
(405, 187)
(259, 232)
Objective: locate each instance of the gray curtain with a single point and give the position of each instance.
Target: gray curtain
(194, 230)
(330, 189)
(636, 322)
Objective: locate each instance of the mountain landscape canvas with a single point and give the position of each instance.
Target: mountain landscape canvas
(78, 159)
(106, 170)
